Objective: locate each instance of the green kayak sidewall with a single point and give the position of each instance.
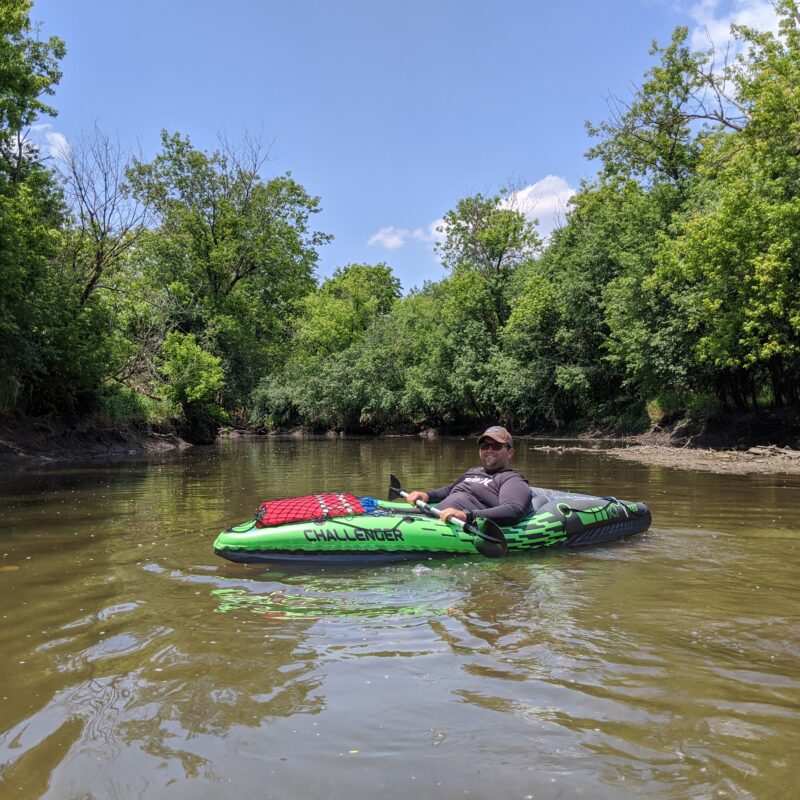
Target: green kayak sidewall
(409, 531)
(393, 533)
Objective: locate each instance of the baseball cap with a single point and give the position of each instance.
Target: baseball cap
(497, 433)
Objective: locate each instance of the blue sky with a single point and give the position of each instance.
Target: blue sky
(389, 111)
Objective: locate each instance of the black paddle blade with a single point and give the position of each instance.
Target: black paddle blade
(395, 487)
(491, 541)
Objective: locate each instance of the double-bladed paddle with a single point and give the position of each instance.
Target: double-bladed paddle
(490, 542)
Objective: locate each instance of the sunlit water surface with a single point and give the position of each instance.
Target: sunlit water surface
(137, 664)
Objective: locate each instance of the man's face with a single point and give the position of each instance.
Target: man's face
(494, 456)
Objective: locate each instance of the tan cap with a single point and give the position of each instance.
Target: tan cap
(497, 433)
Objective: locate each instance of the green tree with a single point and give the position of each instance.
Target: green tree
(710, 306)
(194, 378)
(29, 70)
(30, 241)
(333, 378)
(235, 251)
(443, 340)
(344, 307)
(658, 135)
(489, 236)
(38, 327)
(732, 272)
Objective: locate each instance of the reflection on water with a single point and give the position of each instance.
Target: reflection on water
(281, 604)
(137, 664)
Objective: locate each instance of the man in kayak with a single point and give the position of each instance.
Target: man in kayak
(492, 491)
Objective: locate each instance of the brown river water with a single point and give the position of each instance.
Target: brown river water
(137, 664)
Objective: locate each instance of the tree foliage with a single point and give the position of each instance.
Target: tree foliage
(186, 283)
(235, 251)
(344, 307)
(490, 237)
(29, 72)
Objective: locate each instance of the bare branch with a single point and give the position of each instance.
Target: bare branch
(108, 220)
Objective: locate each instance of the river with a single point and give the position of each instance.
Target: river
(137, 664)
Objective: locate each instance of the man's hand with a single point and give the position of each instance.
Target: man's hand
(446, 513)
(414, 496)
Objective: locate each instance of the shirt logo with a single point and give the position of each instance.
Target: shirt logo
(484, 481)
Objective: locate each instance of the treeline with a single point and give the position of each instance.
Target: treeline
(138, 291)
(185, 285)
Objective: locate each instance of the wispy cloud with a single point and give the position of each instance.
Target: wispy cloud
(431, 234)
(393, 238)
(714, 18)
(50, 142)
(546, 201)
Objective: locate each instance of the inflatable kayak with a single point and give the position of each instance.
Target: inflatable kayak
(369, 530)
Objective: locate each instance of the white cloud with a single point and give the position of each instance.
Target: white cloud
(391, 238)
(714, 19)
(431, 234)
(50, 142)
(545, 200)
(394, 238)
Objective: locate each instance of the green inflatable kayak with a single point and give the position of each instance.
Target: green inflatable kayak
(391, 531)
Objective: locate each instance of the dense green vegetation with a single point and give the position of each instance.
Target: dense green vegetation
(184, 287)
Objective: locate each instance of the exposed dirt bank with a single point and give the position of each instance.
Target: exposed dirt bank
(759, 442)
(27, 443)
(764, 443)
(662, 449)
(767, 441)
(769, 459)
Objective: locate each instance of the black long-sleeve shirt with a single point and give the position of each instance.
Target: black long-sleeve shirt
(503, 497)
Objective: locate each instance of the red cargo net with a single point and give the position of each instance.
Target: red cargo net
(311, 506)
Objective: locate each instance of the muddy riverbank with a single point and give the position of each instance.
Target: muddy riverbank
(739, 448)
(30, 443)
(761, 459)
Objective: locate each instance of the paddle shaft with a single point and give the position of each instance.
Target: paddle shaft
(491, 543)
(473, 530)
(432, 511)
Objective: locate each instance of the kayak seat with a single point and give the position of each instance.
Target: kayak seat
(538, 499)
(541, 497)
